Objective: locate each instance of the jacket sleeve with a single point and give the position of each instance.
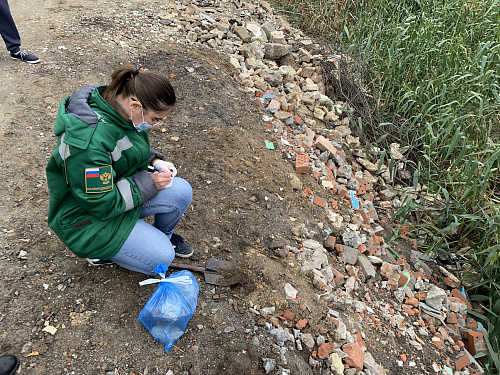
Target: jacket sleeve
(92, 183)
(153, 154)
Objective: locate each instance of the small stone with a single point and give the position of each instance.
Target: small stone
(350, 255)
(435, 297)
(279, 335)
(336, 364)
(366, 266)
(269, 364)
(308, 340)
(290, 291)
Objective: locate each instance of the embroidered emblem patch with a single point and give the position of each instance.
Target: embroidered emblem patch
(99, 180)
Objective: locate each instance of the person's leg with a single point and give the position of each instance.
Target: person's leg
(8, 28)
(144, 249)
(169, 205)
(149, 245)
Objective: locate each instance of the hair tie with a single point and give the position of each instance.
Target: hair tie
(135, 72)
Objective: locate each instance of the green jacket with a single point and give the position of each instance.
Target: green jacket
(97, 175)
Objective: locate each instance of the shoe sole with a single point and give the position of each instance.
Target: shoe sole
(29, 62)
(97, 265)
(184, 255)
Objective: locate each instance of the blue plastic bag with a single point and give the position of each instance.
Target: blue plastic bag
(171, 307)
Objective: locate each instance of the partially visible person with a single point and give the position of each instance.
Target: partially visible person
(8, 364)
(104, 177)
(11, 37)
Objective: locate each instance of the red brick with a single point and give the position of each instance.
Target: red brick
(325, 145)
(288, 315)
(462, 362)
(457, 294)
(308, 192)
(319, 201)
(330, 242)
(298, 120)
(366, 217)
(343, 191)
(302, 163)
(476, 342)
(301, 324)
(337, 276)
(452, 318)
(403, 279)
(325, 350)
(355, 356)
(359, 340)
(408, 310)
(307, 71)
(389, 271)
(259, 103)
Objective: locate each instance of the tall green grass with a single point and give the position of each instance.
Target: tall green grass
(434, 69)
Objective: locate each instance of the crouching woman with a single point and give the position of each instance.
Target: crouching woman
(104, 177)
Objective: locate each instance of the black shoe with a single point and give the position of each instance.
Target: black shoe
(97, 262)
(182, 249)
(8, 364)
(25, 56)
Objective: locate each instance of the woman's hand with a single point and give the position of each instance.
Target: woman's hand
(165, 166)
(161, 180)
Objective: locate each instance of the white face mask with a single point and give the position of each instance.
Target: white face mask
(143, 125)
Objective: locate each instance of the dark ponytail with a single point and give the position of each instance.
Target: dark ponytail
(150, 88)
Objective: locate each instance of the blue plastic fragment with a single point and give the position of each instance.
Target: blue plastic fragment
(355, 202)
(269, 96)
(480, 327)
(463, 292)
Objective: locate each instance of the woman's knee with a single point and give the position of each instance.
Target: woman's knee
(183, 191)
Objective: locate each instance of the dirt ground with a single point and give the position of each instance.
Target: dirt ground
(243, 210)
(242, 195)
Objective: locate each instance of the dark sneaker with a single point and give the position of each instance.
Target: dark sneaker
(182, 249)
(99, 262)
(25, 56)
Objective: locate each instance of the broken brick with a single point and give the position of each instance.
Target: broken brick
(301, 324)
(319, 201)
(355, 356)
(461, 362)
(325, 350)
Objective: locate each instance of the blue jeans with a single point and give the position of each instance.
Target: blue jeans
(149, 245)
